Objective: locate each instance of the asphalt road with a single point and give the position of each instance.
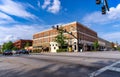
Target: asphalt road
(46, 65)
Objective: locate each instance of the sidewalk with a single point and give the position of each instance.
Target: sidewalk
(92, 59)
(97, 54)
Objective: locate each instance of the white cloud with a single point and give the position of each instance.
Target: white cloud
(5, 19)
(18, 32)
(15, 8)
(53, 7)
(116, 26)
(38, 3)
(10, 38)
(46, 3)
(112, 36)
(114, 12)
(112, 16)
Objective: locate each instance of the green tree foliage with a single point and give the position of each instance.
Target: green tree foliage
(14, 48)
(27, 44)
(118, 48)
(96, 45)
(60, 38)
(8, 46)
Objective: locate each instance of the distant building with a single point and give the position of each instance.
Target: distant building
(29, 48)
(108, 45)
(82, 33)
(20, 44)
(101, 43)
(104, 44)
(115, 46)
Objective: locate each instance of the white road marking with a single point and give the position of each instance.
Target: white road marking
(110, 67)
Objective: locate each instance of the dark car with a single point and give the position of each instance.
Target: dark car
(22, 52)
(18, 52)
(7, 52)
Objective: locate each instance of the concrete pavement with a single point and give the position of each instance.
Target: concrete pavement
(94, 54)
(94, 59)
(20, 66)
(56, 64)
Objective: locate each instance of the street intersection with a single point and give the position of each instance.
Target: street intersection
(85, 64)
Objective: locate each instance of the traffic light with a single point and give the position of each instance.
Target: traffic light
(57, 27)
(98, 1)
(104, 5)
(103, 9)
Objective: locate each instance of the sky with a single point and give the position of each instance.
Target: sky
(20, 19)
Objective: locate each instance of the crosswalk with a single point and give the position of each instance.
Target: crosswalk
(113, 67)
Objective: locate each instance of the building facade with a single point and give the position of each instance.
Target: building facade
(20, 44)
(104, 44)
(0, 48)
(84, 40)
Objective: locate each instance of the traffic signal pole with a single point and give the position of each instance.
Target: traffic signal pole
(106, 3)
(70, 33)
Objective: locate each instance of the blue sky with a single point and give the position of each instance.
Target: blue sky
(20, 19)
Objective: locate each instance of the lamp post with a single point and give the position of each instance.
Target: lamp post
(70, 33)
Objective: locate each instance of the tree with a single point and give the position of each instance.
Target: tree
(8, 46)
(14, 48)
(60, 38)
(27, 44)
(96, 45)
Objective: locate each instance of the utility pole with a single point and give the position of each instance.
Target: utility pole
(104, 5)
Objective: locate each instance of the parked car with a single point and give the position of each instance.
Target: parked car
(7, 52)
(18, 52)
(22, 52)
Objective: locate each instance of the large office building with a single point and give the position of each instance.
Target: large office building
(104, 44)
(83, 38)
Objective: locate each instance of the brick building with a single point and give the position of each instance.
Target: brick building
(104, 44)
(85, 38)
(20, 44)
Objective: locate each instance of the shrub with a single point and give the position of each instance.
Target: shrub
(118, 48)
(1, 52)
(37, 51)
